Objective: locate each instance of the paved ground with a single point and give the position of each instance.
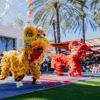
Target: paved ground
(8, 87)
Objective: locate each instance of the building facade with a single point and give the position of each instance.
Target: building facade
(10, 38)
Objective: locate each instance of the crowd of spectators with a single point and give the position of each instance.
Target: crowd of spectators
(94, 68)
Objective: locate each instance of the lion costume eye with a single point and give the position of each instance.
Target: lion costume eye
(30, 33)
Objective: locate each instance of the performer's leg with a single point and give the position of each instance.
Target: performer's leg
(16, 76)
(19, 78)
(78, 70)
(72, 71)
(58, 70)
(4, 72)
(35, 71)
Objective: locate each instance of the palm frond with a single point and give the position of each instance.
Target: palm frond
(38, 2)
(39, 14)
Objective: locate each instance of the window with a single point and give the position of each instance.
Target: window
(7, 44)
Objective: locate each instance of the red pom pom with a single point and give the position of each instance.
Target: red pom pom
(44, 34)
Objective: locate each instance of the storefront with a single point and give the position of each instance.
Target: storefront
(10, 38)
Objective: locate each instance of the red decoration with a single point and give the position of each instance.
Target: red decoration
(79, 50)
(28, 22)
(51, 85)
(29, 9)
(37, 51)
(29, 2)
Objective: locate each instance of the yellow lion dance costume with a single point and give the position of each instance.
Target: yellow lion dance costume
(35, 45)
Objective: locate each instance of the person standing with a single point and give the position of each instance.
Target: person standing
(93, 69)
(45, 65)
(99, 68)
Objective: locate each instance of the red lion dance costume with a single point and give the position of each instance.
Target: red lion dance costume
(78, 50)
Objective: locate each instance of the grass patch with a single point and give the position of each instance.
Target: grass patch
(87, 90)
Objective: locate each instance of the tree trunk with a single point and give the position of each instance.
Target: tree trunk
(58, 27)
(83, 28)
(83, 31)
(54, 34)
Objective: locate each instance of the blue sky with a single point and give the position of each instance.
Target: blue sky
(89, 34)
(18, 8)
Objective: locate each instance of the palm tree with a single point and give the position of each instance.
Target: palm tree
(57, 6)
(81, 17)
(54, 31)
(47, 10)
(95, 5)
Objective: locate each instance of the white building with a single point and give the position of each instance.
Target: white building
(10, 38)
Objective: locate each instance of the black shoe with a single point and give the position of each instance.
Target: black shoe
(34, 81)
(19, 78)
